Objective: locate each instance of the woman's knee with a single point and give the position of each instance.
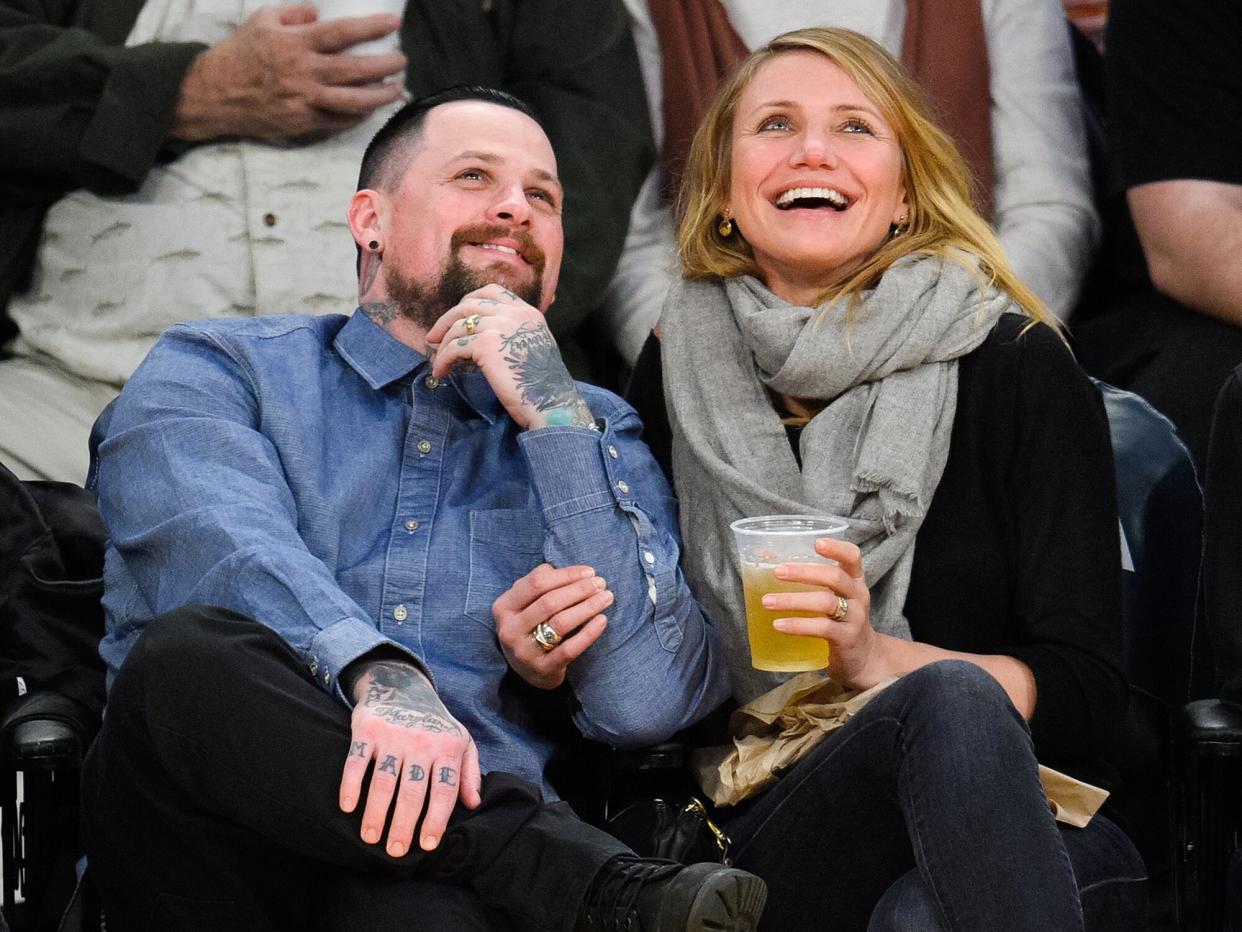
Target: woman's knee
(957, 703)
(955, 684)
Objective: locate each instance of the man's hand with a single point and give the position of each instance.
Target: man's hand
(571, 600)
(420, 751)
(515, 351)
(283, 75)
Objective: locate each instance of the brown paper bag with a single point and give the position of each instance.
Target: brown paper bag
(774, 731)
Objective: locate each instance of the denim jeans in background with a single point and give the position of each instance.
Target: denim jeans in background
(928, 803)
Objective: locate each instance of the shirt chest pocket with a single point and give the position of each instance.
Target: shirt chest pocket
(505, 545)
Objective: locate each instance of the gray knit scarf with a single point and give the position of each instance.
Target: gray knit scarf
(874, 455)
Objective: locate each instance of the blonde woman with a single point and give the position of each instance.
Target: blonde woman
(849, 339)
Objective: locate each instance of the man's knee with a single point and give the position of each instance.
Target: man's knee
(190, 649)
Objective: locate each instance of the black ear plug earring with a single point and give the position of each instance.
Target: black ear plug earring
(373, 245)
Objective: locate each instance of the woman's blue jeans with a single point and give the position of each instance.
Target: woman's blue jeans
(925, 812)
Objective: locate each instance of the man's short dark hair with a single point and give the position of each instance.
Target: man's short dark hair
(387, 153)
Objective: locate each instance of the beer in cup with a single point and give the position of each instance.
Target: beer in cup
(763, 544)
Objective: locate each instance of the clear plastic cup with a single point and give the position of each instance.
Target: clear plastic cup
(339, 9)
(764, 543)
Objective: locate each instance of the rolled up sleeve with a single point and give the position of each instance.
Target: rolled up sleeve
(606, 504)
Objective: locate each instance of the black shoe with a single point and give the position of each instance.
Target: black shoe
(650, 895)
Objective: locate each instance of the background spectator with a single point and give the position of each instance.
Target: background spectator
(164, 162)
(1023, 132)
(1173, 330)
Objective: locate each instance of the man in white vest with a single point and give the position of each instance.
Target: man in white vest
(170, 160)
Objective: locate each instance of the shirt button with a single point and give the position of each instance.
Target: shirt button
(612, 451)
(424, 447)
(269, 220)
(400, 613)
(649, 557)
(411, 525)
(623, 486)
(327, 677)
(432, 383)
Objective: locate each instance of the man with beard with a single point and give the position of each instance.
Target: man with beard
(384, 512)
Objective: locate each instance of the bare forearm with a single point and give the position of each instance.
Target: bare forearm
(1191, 233)
(1015, 677)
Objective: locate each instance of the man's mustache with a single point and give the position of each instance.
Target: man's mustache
(484, 232)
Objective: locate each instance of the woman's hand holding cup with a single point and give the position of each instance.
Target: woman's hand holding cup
(842, 612)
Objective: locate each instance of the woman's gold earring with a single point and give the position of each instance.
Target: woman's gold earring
(901, 227)
(725, 228)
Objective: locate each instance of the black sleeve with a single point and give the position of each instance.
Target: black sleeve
(80, 111)
(645, 392)
(1174, 90)
(1067, 577)
(1019, 554)
(575, 63)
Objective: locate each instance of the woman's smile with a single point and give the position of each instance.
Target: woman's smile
(816, 176)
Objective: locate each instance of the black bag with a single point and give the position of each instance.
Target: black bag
(655, 828)
(51, 622)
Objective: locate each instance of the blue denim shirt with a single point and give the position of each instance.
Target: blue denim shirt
(307, 472)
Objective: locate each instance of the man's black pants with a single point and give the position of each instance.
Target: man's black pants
(210, 802)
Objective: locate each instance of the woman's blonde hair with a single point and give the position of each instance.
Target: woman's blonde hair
(942, 219)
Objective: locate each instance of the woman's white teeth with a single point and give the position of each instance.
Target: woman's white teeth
(498, 248)
(829, 196)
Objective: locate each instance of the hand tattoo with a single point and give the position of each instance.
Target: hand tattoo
(389, 765)
(417, 774)
(542, 378)
(359, 749)
(447, 776)
(400, 695)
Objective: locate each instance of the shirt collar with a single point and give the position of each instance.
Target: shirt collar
(381, 360)
(373, 354)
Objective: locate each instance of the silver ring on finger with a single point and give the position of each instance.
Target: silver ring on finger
(472, 324)
(545, 636)
(843, 608)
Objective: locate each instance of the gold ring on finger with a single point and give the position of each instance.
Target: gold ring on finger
(545, 636)
(843, 607)
(472, 324)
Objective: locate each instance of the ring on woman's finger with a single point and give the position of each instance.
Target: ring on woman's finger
(843, 607)
(545, 636)
(472, 324)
